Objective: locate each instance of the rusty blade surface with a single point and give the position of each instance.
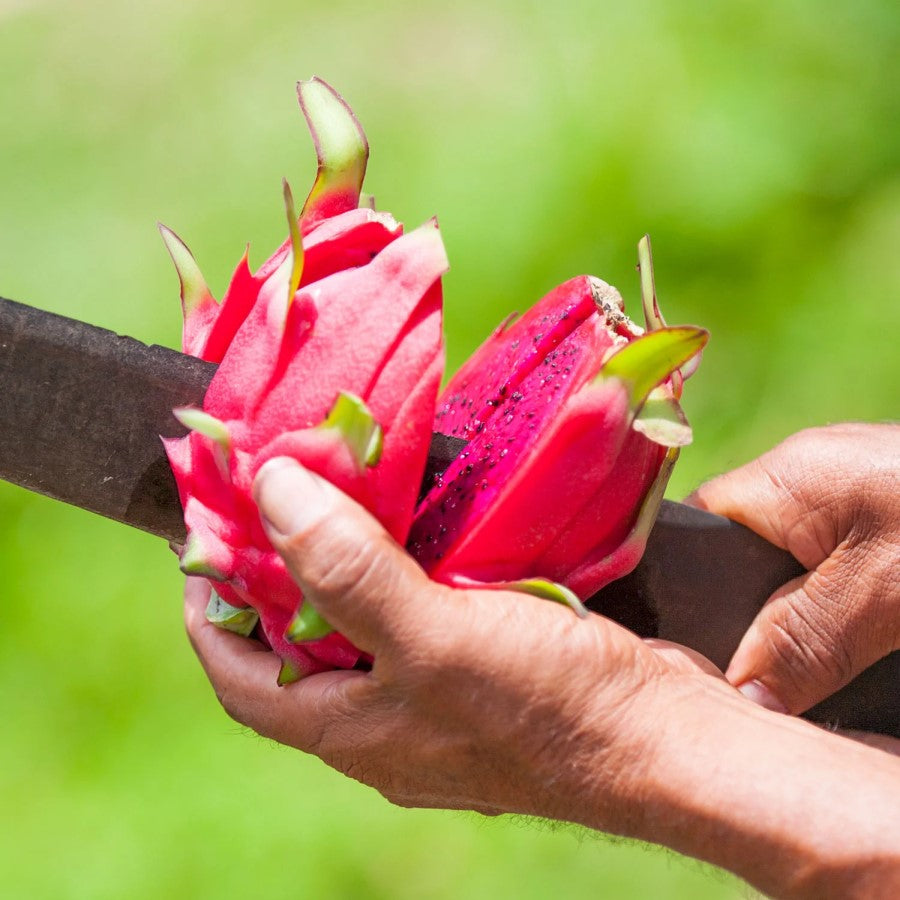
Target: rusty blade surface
(82, 409)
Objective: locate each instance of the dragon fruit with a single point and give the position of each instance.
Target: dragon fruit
(573, 426)
(330, 353)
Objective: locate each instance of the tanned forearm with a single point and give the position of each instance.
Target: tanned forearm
(794, 810)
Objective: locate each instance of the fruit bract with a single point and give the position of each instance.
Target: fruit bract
(573, 424)
(330, 353)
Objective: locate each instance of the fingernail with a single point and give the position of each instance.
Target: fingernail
(282, 490)
(757, 692)
(271, 466)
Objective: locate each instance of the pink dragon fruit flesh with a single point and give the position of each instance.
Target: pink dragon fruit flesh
(291, 383)
(573, 425)
(331, 353)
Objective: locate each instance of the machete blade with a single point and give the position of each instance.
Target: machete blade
(82, 410)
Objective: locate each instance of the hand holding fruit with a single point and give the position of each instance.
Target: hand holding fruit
(332, 354)
(487, 700)
(502, 702)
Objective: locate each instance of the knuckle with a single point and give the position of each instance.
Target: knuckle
(810, 643)
(878, 590)
(857, 589)
(333, 566)
(850, 468)
(801, 660)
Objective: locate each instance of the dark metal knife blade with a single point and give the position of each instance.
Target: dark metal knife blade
(82, 409)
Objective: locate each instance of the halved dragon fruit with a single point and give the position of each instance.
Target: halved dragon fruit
(573, 424)
(330, 353)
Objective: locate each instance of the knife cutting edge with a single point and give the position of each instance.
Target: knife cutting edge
(82, 409)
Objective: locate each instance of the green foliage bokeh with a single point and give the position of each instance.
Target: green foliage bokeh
(758, 146)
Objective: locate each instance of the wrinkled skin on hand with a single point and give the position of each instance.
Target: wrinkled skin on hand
(502, 702)
(484, 700)
(831, 496)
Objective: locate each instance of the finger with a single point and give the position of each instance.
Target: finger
(815, 634)
(208, 641)
(776, 500)
(243, 674)
(351, 570)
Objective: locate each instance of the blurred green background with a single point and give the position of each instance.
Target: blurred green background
(758, 144)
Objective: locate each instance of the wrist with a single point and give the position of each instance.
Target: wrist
(664, 737)
(797, 811)
(617, 780)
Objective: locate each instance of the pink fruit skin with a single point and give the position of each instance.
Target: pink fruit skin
(351, 239)
(554, 481)
(553, 476)
(366, 320)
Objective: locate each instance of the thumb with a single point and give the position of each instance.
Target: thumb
(822, 629)
(813, 636)
(351, 570)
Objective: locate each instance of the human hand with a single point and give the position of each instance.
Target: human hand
(485, 700)
(831, 496)
(501, 702)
